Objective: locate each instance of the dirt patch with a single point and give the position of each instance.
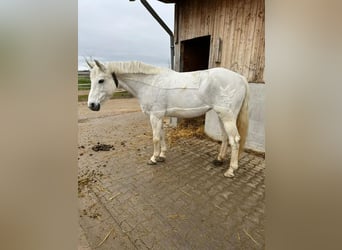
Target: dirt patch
(88, 178)
(110, 108)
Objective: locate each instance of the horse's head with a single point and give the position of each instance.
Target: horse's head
(103, 85)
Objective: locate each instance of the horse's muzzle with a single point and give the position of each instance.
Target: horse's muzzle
(94, 106)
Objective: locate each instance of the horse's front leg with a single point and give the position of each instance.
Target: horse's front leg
(156, 124)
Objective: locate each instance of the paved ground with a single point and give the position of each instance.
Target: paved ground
(184, 203)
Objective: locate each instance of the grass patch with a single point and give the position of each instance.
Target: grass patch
(83, 87)
(116, 95)
(83, 79)
(83, 83)
(83, 98)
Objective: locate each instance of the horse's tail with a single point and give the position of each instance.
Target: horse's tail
(243, 119)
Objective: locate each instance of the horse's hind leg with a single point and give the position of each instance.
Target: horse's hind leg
(234, 138)
(224, 146)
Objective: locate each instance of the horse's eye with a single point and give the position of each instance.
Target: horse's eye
(101, 81)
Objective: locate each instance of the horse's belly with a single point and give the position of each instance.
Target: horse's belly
(187, 112)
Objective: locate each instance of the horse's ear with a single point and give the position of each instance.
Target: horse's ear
(90, 64)
(100, 65)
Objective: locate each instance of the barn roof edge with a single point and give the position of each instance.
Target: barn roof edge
(168, 1)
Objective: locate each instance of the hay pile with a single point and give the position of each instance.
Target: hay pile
(187, 128)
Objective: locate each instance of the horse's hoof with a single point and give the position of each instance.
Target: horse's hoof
(229, 174)
(150, 162)
(160, 159)
(217, 162)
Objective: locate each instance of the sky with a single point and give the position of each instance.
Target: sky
(121, 30)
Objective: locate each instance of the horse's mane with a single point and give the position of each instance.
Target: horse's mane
(134, 67)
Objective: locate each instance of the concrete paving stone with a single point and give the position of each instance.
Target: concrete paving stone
(117, 239)
(83, 242)
(139, 244)
(137, 233)
(184, 203)
(149, 240)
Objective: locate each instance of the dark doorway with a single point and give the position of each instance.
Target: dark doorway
(195, 54)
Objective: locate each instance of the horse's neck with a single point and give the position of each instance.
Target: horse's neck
(133, 75)
(134, 83)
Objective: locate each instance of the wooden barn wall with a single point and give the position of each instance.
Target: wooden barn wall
(240, 24)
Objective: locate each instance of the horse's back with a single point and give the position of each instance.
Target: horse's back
(226, 77)
(224, 88)
(178, 80)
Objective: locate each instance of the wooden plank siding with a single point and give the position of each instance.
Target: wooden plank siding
(240, 24)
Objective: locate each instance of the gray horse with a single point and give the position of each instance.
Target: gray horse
(164, 92)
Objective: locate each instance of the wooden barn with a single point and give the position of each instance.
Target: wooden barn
(224, 33)
(213, 33)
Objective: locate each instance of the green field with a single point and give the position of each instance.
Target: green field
(83, 83)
